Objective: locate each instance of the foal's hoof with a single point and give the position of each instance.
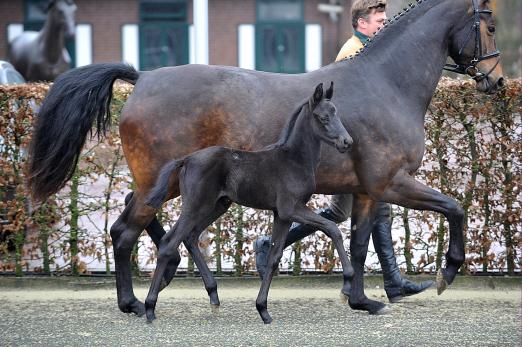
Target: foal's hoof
(267, 320)
(151, 316)
(214, 309)
(441, 282)
(344, 298)
(384, 310)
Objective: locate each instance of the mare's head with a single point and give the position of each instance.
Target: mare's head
(62, 12)
(326, 123)
(474, 50)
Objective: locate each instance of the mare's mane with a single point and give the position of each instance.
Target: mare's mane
(390, 27)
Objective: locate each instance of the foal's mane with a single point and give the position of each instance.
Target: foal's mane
(289, 126)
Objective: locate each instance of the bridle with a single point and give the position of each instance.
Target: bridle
(471, 69)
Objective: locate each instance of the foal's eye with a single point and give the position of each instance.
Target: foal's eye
(491, 29)
(324, 119)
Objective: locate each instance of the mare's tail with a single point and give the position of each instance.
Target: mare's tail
(159, 193)
(76, 100)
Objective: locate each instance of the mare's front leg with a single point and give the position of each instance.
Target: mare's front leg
(306, 217)
(279, 233)
(404, 190)
(124, 233)
(363, 217)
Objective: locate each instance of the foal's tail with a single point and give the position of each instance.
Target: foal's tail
(159, 193)
(76, 100)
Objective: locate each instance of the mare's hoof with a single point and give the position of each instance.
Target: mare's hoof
(214, 308)
(442, 284)
(344, 298)
(136, 307)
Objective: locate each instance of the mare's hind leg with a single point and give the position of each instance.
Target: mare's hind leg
(279, 233)
(210, 282)
(404, 190)
(124, 233)
(189, 223)
(363, 216)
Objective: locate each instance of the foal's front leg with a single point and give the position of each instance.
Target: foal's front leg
(279, 233)
(304, 216)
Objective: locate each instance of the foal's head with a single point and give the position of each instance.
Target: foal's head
(326, 124)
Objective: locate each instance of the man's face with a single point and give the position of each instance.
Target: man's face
(374, 23)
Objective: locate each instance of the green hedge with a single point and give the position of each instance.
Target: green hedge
(473, 153)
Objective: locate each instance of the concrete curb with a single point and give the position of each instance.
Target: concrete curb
(305, 281)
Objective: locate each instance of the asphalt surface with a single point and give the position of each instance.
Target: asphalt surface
(306, 312)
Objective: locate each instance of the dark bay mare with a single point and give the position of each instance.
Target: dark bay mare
(41, 56)
(382, 96)
(278, 178)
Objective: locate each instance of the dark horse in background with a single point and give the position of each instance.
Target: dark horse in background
(41, 56)
(382, 96)
(280, 178)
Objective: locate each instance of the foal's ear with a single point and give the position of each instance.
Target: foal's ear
(329, 92)
(318, 94)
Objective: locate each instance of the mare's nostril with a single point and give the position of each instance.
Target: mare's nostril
(501, 82)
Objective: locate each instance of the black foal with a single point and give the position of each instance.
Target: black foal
(279, 178)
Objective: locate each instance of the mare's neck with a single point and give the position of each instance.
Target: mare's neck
(52, 38)
(409, 54)
(302, 144)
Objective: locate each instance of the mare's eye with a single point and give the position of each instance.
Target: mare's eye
(491, 29)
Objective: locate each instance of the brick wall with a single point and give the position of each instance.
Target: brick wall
(107, 17)
(10, 12)
(224, 18)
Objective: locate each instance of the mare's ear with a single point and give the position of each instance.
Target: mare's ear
(318, 94)
(329, 92)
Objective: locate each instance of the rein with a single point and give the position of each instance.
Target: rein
(478, 56)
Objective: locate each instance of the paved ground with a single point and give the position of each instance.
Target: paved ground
(306, 312)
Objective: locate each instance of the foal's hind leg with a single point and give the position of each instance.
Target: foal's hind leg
(210, 282)
(156, 232)
(124, 233)
(188, 223)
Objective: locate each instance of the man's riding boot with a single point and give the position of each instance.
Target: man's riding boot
(297, 232)
(395, 286)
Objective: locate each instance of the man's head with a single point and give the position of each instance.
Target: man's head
(368, 16)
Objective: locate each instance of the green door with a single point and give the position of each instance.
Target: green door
(163, 44)
(280, 47)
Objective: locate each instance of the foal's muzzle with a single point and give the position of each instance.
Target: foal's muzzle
(343, 144)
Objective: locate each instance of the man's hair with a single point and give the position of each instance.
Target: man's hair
(363, 9)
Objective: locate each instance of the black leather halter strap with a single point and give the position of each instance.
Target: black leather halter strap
(471, 69)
